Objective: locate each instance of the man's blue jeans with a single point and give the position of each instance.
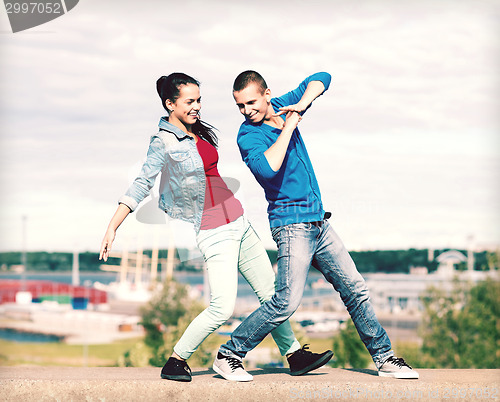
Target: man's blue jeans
(301, 245)
(228, 249)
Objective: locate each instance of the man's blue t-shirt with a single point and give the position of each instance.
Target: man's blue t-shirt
(292, 192)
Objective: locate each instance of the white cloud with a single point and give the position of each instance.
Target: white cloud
(410, 123)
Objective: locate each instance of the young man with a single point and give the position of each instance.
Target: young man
(273, 149)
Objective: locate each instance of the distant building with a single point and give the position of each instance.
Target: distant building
(419, 270)
(401, 292)
(448, 260)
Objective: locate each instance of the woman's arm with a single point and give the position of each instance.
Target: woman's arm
(140, 188)
(121, 213)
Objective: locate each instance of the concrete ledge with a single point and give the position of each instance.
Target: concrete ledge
(144, 384)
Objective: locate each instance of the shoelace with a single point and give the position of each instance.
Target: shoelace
(304, 350)
(397, 361)
(234, 363)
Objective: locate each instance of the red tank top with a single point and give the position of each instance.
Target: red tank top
(221, 207)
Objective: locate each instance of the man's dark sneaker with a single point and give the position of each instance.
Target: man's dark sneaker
(302, 361)
(396, 368)
(175, 369)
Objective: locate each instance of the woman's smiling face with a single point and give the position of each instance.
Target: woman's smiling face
(186, 108)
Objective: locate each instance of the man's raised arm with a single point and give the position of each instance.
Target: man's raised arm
(275, 155)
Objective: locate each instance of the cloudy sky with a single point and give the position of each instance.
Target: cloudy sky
(405, 143)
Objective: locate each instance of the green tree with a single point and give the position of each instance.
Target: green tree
(349, 350)
(461, 327)
(492, 260)
(165, 318)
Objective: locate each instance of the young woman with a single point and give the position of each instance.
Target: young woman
(184, 152)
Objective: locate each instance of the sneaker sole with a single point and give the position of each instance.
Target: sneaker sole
(317, 364)
(228, 377)
(183, 378)
(405, 376)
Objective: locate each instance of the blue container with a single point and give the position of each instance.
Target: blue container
(79, 303)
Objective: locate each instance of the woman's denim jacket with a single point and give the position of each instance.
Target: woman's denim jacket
(182, 187)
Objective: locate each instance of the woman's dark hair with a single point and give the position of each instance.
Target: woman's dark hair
(168, 87)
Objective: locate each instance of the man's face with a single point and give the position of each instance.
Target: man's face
(253, 104)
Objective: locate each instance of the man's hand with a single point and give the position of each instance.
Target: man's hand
(276, 152)
(292, 119)
(313, 90)
(298, 107)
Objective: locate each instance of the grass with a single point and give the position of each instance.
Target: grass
(61, 354)
(107, 355)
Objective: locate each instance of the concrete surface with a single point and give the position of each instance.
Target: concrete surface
(144, 384)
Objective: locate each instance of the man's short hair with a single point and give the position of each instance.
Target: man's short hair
(248, 77)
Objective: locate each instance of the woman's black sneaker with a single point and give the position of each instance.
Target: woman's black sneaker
(302, 361)
(175, 369)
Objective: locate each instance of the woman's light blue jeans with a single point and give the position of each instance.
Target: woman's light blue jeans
(228, 249)
(301, 245)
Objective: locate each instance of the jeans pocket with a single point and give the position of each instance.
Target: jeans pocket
(179, 156)
(182, 163)
(282, 240)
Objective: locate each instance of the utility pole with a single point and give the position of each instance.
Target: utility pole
(24, 259)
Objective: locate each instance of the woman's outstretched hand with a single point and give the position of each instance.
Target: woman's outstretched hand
(109, 237)
(121, 213)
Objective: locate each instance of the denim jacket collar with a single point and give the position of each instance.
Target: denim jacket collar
(165, 125)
